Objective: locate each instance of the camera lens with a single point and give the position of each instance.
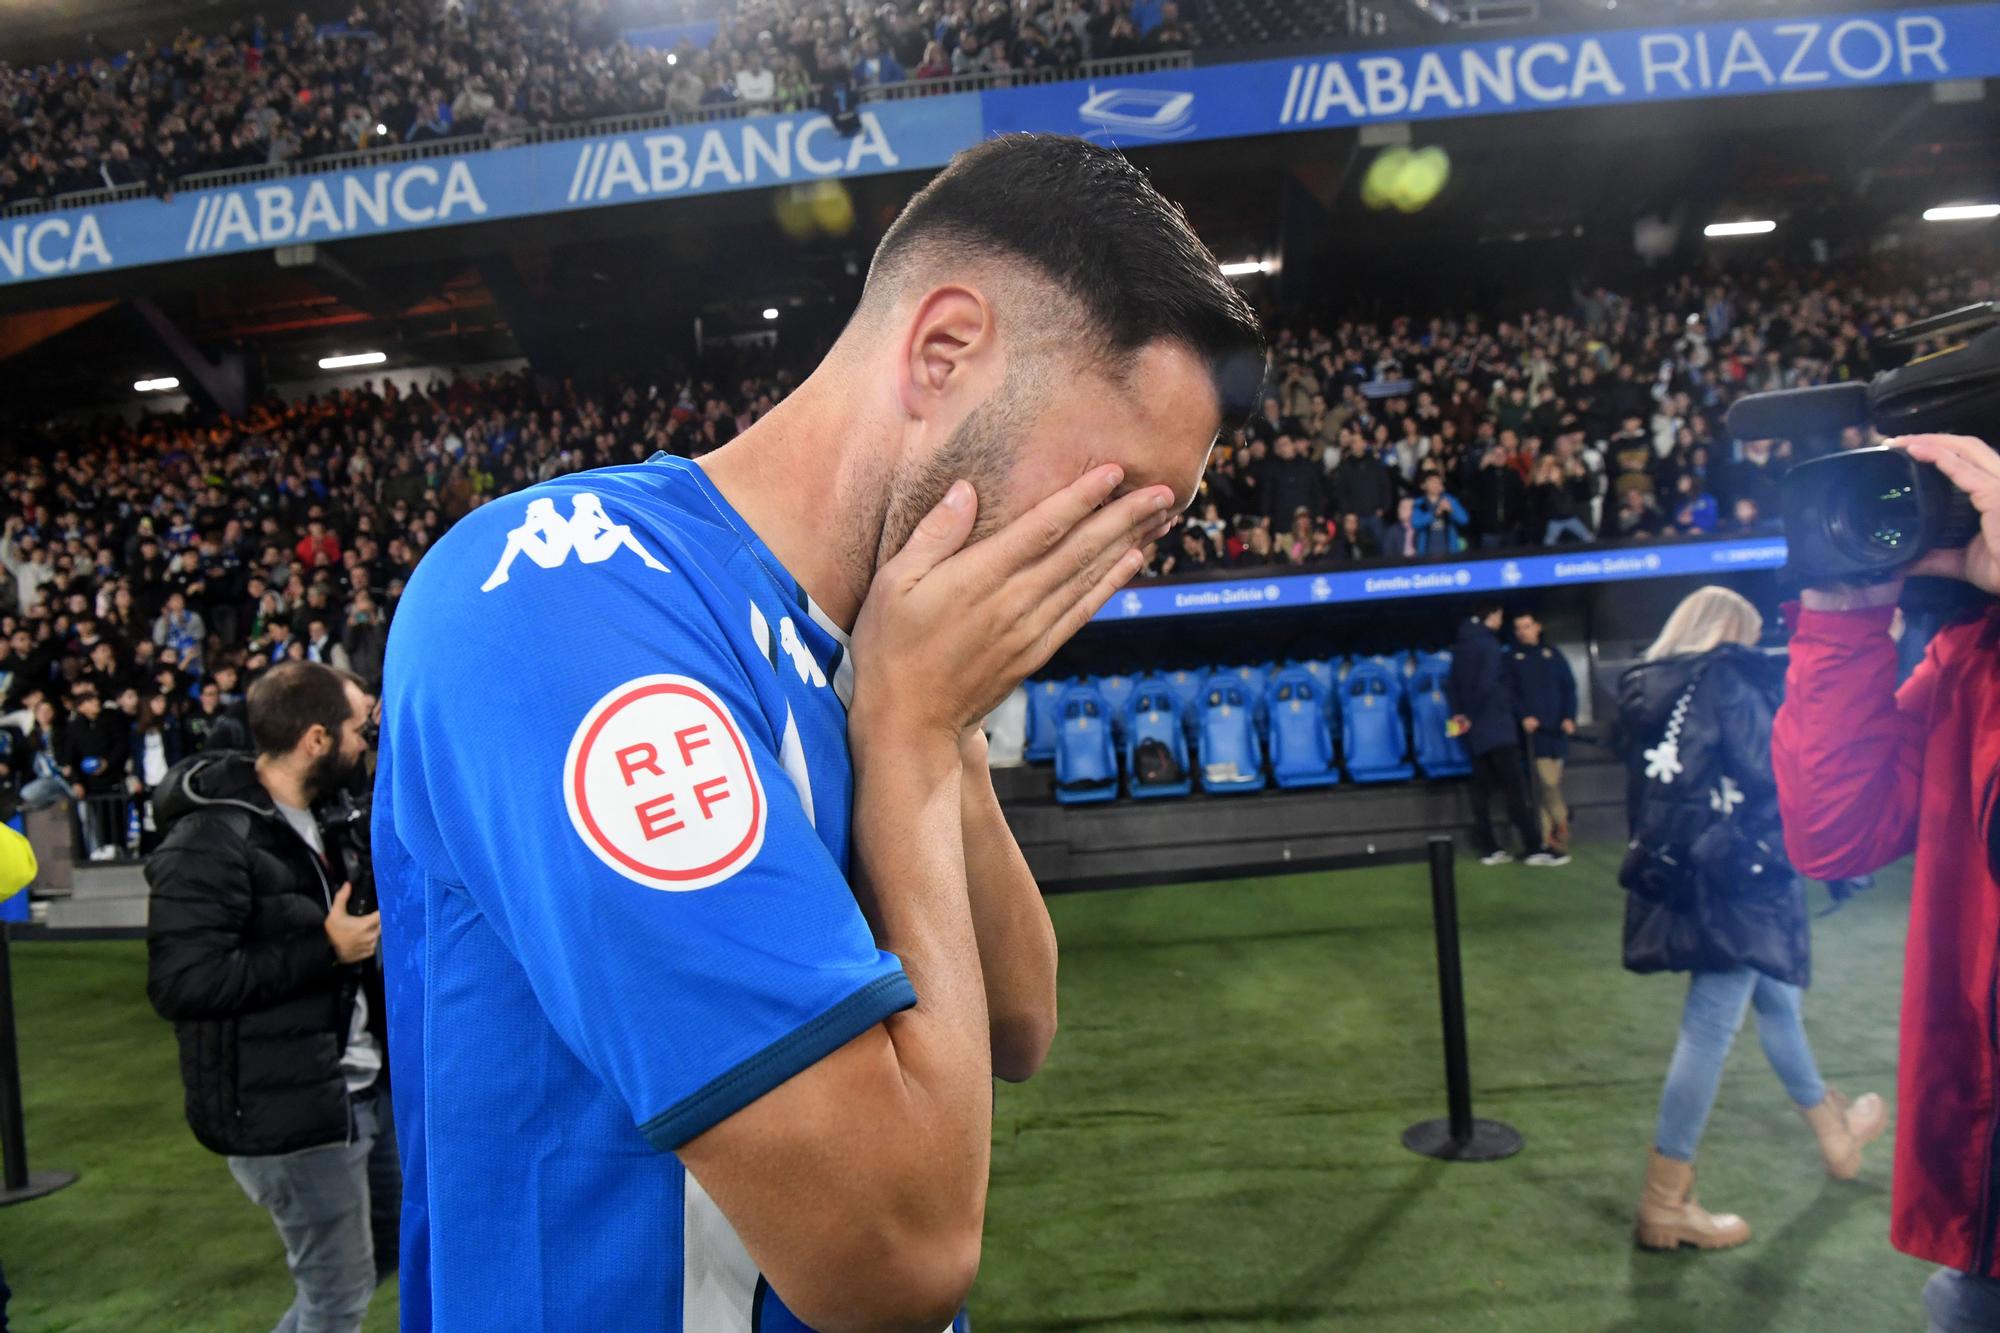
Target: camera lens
(1876, 520)
(1887, 522)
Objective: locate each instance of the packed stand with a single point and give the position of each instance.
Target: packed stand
(411, 71)
(1404, 439)
(149, 573)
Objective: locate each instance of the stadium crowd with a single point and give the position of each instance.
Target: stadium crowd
(150, 571)
(409, 71)
(1605, 422)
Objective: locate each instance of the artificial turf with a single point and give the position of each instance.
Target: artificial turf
(1212, 1145)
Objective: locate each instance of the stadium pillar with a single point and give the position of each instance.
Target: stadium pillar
(1458, 1137)
(1303, 218)
(215, 386)
(18, 1184)
(553, 356)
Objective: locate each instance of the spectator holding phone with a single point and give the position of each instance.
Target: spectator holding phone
(1868, 773)
(1438, 520)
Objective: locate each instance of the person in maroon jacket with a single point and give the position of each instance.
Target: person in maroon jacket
(1868, 773)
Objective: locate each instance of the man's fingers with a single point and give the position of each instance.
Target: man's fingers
(1960, 457)
(340, 898)
(1079, 613)
(1129, 521)
(1043, 528)
(939, 533)
(1983, 486)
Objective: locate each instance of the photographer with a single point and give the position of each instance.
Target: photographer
(269, 979)
(1868, 773)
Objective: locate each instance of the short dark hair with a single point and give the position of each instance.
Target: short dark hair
(291, 699)
(1091, 223)
(1487, 606)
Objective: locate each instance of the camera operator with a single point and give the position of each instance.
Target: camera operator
(272, 986)
(1868, 773)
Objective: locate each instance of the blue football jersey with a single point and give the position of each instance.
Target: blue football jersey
(611, 837)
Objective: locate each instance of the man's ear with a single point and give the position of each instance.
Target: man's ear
(951, 352)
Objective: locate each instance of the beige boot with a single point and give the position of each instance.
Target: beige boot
(1670, 1218)
(1844, 1129)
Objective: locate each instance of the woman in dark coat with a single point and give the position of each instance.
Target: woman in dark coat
(1711, 894)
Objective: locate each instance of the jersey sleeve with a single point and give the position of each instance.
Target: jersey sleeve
(583, 752)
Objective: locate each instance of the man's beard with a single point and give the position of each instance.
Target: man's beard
(981, 451)
(332, 772)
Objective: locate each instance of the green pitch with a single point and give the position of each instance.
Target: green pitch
(1213, 1144)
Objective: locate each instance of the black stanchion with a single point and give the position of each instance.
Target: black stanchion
(19, 1184)
(1458, 1137)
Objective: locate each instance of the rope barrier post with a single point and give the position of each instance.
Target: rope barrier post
(1458, 1137)
(18, 1184)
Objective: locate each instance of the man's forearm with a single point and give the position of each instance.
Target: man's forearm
(1017, 945)
(909, 877)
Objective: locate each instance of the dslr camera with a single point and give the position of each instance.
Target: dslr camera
(1863, 515)
(344, 828)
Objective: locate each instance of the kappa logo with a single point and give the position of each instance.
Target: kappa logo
(549, 539)
(661, 787)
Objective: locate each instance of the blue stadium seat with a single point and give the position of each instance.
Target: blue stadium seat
(1398, 667)
(1301, 742)
(1322, 671)
(1255, 677)
(1156, 716)
(1186, 684)
(1043, 696)
(1372, 738)
(1438, 755)
(1230, 756)
(1117, 691)
(1086, 762)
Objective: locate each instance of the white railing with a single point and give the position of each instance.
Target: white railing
(589, 129)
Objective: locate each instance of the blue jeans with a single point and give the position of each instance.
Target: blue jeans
(1715, 1005)
(1559, 526)
(335, 1209)
(1961, 1302)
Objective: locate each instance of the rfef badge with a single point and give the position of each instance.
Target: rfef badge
(661, 787)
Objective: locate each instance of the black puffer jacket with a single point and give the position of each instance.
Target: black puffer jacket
(1743, 905)
(238, 959)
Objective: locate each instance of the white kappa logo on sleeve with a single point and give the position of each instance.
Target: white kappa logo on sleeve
(549, 539)
(661, 787)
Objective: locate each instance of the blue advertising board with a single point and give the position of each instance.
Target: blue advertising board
(751, 153)
(1544, 569)
(1526, 73)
